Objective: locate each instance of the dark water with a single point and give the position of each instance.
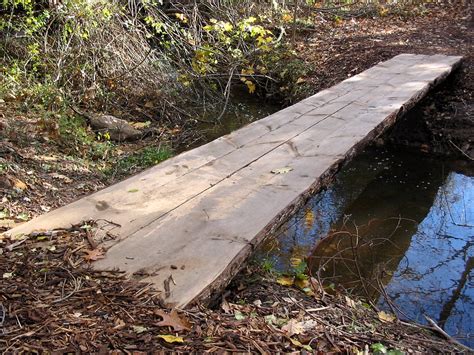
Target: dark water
(240, 111)
(398, 220)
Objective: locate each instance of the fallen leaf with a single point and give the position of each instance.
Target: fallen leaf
(290, 299)
(93, 255)
(119, 324)
(239, 315)
(293, 327)
(295, 262)
(19, 184)
(302, 283)
(286, 280)
(141, 125)
(139, 329)
(386, 317)
(225, 306)
(173, 320)
(284, 170)
(133, 190)
(66, 179)
(7, 223)
(309, 324)
(350, 302)
(270, 319)
(23, 217)
(171, 338)
(298, 343)
(300, 80)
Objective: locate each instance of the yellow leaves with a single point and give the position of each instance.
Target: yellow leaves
(20, 185)
(298, 344)
(286, 280)
(262, 41)
(287, 17)
(247, 71)
(181, 17)
(141, 125)
(106, 13)
(203, 60)
(219, 26)
(383, 11)
(227, 26)
(386, 317)
(302, 283)
(184, 79)
(171, 338)
(250, 84)
(309, 218)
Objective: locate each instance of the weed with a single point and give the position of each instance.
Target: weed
(143, 158)
(76, 136)
(268, 266)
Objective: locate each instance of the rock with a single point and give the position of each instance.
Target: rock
(118, 129)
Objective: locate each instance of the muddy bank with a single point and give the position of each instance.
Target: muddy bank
(443, 124)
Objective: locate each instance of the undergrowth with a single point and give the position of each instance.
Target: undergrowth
(153, 60)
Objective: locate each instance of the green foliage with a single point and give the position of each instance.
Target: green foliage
(78, 139)
(299, 268)
(268, 266)
(146, 157)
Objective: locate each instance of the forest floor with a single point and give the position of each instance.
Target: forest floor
(50, 299)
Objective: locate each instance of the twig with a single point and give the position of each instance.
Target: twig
(462, 152)
(446, 335)
(227, 94)
(3, 314)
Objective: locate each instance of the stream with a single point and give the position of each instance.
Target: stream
(394, 221)
(395, 228)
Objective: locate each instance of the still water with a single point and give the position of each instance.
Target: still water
(394, 219)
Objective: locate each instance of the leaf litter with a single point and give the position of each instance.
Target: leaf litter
(51, 299)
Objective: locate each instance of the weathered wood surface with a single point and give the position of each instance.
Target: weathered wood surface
(196, 217)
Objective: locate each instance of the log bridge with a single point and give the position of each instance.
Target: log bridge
(188, 224)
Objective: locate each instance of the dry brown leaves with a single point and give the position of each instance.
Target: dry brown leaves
(50, 299)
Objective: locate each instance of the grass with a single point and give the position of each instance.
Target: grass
(143, 158)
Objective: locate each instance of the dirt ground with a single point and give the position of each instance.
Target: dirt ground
(444, 122)
(51, 300)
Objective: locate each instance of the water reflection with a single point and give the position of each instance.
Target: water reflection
(398, 220)
(240, 111)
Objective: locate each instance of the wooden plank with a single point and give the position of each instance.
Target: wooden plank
(157, 191)
(196, 217)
